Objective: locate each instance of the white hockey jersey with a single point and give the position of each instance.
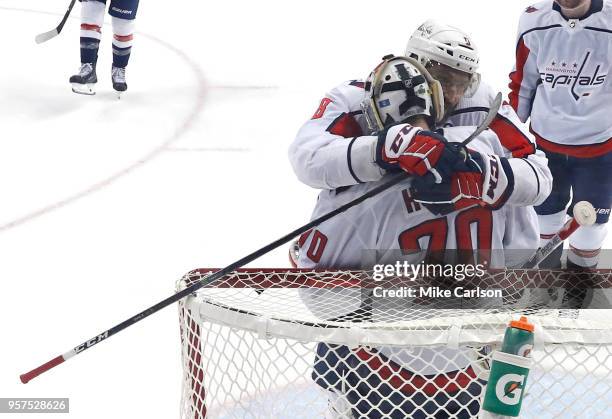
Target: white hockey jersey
(390, 227)
(392, 220)
(333, 149)
(561, 78)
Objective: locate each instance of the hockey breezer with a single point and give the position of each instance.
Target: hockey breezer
(395, 179)
(43, 37)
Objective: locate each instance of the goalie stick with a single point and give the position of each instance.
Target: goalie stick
(584, 215)
(395, 179)
(45, 36)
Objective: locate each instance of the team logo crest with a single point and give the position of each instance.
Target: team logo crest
(531, 9)
(581, 77)
(425, 29)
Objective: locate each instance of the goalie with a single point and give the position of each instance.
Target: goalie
(477, 199)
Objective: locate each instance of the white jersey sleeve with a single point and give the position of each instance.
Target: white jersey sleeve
(332, 148)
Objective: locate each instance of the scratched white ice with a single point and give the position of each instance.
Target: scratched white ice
(105, 203)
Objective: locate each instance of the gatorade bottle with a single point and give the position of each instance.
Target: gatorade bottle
(518, 339)
(509, 370)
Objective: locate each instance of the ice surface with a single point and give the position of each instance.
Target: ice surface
(105, 203)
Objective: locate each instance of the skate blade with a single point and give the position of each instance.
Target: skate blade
(84, 89)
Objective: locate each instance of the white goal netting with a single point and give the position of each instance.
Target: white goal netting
(304, 344)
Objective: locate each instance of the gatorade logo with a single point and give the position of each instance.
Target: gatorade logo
(509, 389)
(525, 350)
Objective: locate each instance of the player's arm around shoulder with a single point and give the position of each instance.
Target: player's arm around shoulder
(530, 180)
(528, 169)
(332, 149)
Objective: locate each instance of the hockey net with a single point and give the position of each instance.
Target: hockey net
(314, 344)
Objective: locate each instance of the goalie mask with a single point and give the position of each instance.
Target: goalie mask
(434, 43)
(400, 88)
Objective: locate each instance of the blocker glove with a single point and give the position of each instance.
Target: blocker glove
(418, 152)
(485, 180)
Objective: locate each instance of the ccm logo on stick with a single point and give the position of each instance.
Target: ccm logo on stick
(91, 342)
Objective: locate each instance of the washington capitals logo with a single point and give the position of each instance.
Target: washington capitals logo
(531, 9)
(572, 75)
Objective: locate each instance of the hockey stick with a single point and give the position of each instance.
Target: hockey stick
(228, 269)
(43, 37)
(584, 215)
(491, 114)
(205, 281)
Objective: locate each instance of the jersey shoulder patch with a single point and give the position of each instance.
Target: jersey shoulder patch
(357, 83)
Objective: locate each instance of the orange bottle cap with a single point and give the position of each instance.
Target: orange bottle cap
(522, 323)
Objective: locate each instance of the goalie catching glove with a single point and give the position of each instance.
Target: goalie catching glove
(485, 180)
(418, 152)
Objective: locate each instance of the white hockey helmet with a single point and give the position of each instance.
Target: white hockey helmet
(434, 42)
(399, 88)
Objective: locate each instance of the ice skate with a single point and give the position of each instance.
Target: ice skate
(118, 77)
(84, 83)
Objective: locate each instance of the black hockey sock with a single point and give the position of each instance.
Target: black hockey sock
(89, 50)
(579, 289)
(122, 48)
(90, 42)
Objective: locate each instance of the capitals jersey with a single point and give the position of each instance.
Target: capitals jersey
(334, 148)
(561, 78)
(391, 227)
(393, 221)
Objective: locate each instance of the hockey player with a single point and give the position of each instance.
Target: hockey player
(334, 148)
(561, 80)
(123, 14)
(490, 212)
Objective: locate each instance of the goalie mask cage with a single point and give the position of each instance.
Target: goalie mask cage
(299, 344)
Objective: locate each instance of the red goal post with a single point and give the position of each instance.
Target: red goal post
(257, 343)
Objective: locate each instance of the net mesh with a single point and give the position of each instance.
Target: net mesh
(314, 344)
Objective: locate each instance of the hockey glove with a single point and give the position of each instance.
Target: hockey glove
(418, 152)
(484, 180)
